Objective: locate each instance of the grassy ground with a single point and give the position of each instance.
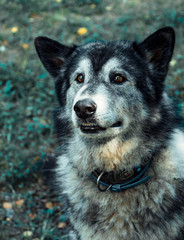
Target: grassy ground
(28, 209)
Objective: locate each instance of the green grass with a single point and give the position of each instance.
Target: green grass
(27, 93)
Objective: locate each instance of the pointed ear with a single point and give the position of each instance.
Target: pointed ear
(157, 49)
(52, 54)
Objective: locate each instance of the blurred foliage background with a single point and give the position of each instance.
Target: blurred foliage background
(28, 210)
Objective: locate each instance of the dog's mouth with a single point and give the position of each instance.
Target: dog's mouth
(94, 128)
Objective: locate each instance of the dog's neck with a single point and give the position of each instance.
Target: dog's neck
(113, 156)
(123, 179)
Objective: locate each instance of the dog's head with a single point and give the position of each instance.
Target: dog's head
(108, 88)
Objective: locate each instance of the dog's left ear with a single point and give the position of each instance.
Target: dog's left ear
(52, 54)
(157, 49)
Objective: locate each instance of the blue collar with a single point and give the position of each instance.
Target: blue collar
(135, 180)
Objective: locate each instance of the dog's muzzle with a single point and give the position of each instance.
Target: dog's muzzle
(85, 110)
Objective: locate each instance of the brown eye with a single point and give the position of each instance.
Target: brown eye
(119, 79)
(80, 78)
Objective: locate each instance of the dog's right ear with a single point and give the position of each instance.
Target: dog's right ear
(52, 54)
(157, 49)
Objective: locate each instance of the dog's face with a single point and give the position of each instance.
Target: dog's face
(102, 98)
(109, 88)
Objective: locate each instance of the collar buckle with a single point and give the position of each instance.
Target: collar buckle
(99, 186)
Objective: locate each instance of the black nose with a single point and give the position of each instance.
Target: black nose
(85, 108)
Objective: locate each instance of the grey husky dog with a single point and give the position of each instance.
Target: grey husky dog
(121, 165)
